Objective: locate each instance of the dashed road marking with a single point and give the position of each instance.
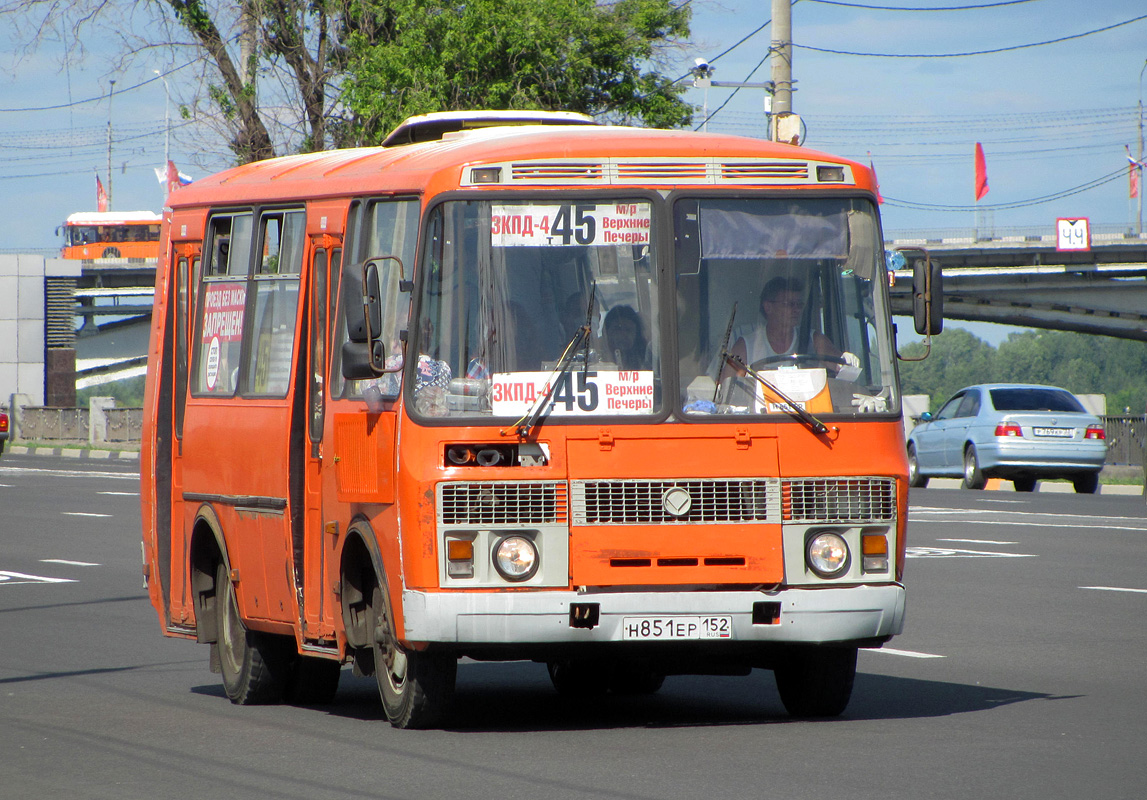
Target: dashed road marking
(946, 552)
(907, 653)
(15, 578)
(975, 541)
(1114, 589)
(83, 514)
(68, 563)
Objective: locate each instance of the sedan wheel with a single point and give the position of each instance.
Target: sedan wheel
(1088, 483)
(973, 477)
(915, 479)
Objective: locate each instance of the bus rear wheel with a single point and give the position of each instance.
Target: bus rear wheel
(817, 681)
(254, 665)
(416, 687)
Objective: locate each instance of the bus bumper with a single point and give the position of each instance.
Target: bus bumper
(804, 615)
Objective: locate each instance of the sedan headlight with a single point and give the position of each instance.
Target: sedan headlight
(516, 558)
(827, 554)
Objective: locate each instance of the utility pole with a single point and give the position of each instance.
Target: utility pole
(111, 91)
(786, 125)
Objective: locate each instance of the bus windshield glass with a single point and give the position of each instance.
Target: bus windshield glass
(779, 300)
(507, 285)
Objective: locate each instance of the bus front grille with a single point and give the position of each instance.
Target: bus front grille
(669, 502)
(839, 499)
(502, 503)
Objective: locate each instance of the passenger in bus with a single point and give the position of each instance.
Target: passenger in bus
(782, 303)
(625, 340)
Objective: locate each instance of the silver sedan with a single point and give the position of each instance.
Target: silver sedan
(1017, 432)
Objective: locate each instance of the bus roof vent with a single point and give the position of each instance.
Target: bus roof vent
(564, 171)
(759, 171)
(432, 127)
(684, 171)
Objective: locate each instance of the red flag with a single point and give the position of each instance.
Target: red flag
(172, 177)
(875, 182)
(981, 173)
(1133, 170)
(101, 196)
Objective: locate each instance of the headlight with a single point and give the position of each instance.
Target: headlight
(827, 554)
(516, 558)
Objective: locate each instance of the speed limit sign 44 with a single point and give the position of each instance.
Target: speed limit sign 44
(1073, 234)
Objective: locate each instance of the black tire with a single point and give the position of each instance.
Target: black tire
(254, 665)
(579, 678)
(416, 687)
(1025, 484)
(313, 681)
(1087, 483)
(110, 252)
(973, 477)
(817, 681)
(915, 479)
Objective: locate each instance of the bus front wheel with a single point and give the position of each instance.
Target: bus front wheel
(416, 687)
(254, 665)
(817, 681)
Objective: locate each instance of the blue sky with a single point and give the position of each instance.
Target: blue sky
(1052, 118)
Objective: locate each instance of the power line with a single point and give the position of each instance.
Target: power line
(1035, 201)
(96, 99)
(970, 53)
(917, 8)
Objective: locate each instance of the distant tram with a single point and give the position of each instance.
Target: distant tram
(111, 234)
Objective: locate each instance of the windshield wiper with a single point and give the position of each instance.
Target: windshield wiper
(788, 405)
(582, 335)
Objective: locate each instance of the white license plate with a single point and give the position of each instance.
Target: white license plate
(671, 628)
(1062, 433)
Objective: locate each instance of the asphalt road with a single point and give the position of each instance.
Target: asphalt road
(1021, 674)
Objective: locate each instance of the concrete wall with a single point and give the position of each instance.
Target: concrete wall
(22, 312)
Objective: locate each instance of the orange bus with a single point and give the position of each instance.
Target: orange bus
(111, 234)
(619, 401)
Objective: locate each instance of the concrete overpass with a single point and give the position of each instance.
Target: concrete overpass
(1023, 279)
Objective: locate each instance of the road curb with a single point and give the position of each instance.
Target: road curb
(73, 452)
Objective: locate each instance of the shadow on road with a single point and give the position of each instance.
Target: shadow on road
(519, 697)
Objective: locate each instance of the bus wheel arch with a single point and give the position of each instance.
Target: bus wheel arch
(207, 551)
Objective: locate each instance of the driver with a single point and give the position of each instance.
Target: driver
(781, 306)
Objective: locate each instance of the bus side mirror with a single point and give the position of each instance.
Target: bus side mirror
(353, 308)
(927, 296)
(384, 292)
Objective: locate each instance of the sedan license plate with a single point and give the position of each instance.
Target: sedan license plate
(675, 628)
(1062, 433)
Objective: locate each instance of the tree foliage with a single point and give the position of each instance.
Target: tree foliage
(407, 57)
(1080, 363)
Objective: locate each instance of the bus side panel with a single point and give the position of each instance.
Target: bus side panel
(243, 446)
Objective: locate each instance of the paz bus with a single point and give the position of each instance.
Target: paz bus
(111, 234)
(488, 392)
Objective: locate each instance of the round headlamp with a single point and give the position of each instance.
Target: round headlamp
(827, 554)
(516, 558)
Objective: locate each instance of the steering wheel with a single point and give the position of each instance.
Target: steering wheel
(797, 358)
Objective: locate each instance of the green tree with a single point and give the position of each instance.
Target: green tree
(407, 57)
(958, 359)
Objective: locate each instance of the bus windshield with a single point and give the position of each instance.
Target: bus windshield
(778, 301)
(790, 289)
(508, 283)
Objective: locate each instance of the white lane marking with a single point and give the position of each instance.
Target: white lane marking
(963, 512)
(907, 653)
(120, 494)
(945, 552)
(15, 578)
(69, 473)
(1053, 525)
(1114, 589)
(975, 541)
(68, 563)
(83, 514)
